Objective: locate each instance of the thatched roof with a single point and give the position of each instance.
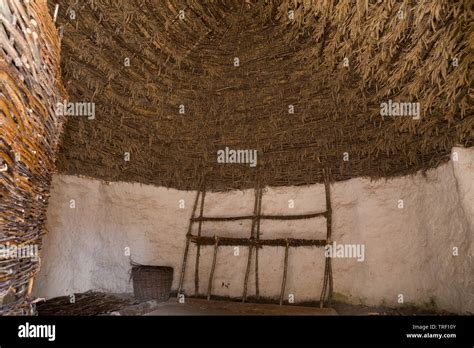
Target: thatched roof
(290, 53)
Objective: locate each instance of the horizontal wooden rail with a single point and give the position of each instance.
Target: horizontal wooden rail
(222, 218)
(293, 217)
(265, 217)
(225, 241)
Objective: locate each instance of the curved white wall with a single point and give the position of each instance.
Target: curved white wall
(408, 251)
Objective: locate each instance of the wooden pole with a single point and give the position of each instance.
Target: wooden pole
(211, 275)
(247, 272)
(259, 212)
(249, 259)
(325, 283)
(285, 270)
(327, 266)
(186, 249)
(198, 248)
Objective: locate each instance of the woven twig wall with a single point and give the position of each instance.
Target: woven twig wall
(300, 82)
(29, 88)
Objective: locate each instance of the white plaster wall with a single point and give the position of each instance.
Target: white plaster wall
(408, 251)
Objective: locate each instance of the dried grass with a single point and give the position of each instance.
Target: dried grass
(337, 109)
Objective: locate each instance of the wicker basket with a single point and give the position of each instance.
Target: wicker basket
(152, 282)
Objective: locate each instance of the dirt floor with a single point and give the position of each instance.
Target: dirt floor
(200, 306)
(96, 303)
(204, 307)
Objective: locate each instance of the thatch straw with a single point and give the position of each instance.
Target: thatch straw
(403, 56)
(29, 89)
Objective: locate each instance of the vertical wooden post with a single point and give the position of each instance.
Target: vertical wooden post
(325, 283)
(259, 212)
(285, 270)
(330, 284)
(327, 186)
(211, 275)
(252, 239)
(247, 272)
(327, 266)
(198, 247)
(186, 249)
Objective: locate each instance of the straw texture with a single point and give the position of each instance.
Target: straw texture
(403, 51)
(29, 88)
